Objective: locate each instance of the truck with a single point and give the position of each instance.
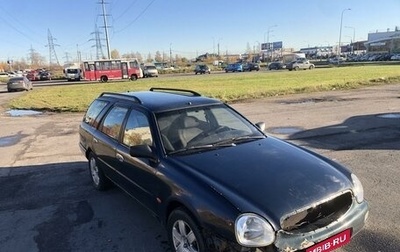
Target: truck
(287, 58)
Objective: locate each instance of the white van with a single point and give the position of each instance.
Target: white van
(73, 73)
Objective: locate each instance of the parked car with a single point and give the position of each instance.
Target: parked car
(44, 75)
(33, 75)
(18, 84)
(202, 69)
(250, 66)
(276, 66)
(150, 71)
(300, 64)
(214, 179)
(235, 67)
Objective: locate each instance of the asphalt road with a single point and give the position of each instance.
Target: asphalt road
(47, 202)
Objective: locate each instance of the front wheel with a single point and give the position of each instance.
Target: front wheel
(311, 67)
(133, 77)
(183, 233)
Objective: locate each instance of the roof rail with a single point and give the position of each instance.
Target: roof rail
(175, 90)
(123, 96)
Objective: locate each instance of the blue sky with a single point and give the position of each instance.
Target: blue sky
(187, 27)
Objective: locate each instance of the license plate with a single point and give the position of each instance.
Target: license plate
(332, 243)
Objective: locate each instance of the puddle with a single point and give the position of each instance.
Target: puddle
(9, 140)
(285, 130)
(18, 112)
(390, 116)
(318, 100)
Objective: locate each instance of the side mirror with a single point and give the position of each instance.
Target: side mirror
(261, 126)
(144, 151)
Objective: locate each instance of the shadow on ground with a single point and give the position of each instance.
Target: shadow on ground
(376, 131)
(53, 207)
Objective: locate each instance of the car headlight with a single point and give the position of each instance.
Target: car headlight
(358, 189)
(253, 231)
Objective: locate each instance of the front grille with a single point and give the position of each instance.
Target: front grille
(319, 215)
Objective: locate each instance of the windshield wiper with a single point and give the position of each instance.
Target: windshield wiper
(236, 140)
(202, 147)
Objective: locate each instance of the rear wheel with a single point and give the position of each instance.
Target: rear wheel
(133, 77)
(311, 67)
(99, 180)
(104, 78)
(183, 233)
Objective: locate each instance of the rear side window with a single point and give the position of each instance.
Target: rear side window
(93, 111)
(113, 122)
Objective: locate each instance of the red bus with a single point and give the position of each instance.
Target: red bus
(114, 69)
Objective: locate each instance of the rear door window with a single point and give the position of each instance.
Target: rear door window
(113, 121)
(91, 116)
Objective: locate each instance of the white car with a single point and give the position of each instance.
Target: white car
(150, 71)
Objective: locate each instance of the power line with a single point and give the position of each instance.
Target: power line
(125, 11)
(140, 14)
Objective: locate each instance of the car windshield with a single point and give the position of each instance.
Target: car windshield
(204, 128)
(73, 71)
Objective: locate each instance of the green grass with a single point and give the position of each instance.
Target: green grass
(227, 87)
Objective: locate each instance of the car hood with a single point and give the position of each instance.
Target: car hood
(269, 176)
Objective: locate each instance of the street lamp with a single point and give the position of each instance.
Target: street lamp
(354, 37)
(340, 33)
(218, 45)
(268, 32)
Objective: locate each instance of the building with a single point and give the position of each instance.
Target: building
(384, 42)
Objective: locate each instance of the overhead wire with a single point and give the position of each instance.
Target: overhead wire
(15, 28)
(134, 20)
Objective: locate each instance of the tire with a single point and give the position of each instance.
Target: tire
(104, 78)
(296, 68)
(180, 226)
(133, 77)
(311, 67)
(99, 180)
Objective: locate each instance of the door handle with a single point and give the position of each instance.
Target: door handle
(119, 157)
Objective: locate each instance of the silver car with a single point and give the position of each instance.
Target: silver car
(300, 64)
(18, 84)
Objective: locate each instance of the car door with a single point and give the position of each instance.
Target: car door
(139, 174)
(105, 142)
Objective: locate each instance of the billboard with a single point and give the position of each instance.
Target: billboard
(271, 46)
(277, 45)
(266, 46)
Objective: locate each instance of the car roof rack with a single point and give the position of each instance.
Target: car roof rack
(121, 95)
(175, 90)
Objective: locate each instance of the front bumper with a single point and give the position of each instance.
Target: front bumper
(354, 219)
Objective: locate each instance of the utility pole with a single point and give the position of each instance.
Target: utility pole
(78, 54)
(67, 57)
(106, 28)
(170, 54)
(99, 46)
(52, 51)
